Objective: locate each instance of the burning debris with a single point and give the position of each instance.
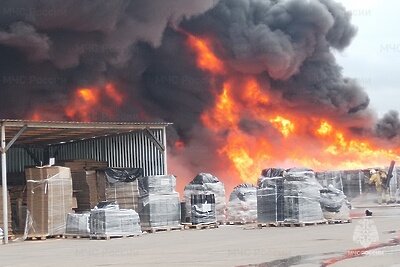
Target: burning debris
(246, 83)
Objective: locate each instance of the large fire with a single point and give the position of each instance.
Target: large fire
(88, 102)
(297, 140)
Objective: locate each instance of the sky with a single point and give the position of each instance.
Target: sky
(373, 57)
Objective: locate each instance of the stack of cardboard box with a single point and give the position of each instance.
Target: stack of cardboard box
(49, 197)
(119, 185)
(84, 181)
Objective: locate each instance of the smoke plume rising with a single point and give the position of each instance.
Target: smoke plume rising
(266, 65)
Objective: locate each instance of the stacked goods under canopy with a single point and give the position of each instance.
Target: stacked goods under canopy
(120, 185)
(84, 181)
(49, 197)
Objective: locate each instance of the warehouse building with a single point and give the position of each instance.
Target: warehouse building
(126, 144)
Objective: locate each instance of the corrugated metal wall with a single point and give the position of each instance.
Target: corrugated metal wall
(131, 150)
(18, 158)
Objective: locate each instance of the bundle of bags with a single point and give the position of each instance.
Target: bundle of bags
(242, 205)
(206, 184)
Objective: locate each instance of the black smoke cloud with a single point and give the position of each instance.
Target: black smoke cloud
(48, 48)
(51, 47)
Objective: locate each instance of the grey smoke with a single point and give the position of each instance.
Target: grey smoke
(389, 126)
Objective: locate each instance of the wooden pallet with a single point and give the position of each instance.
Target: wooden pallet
(290, 224)
(44, 237)
(331, 221)
(75, 236)
(162, 228)
(302, 224)
(201, 226)
(271, 224)
(239, 223)
(108, 237)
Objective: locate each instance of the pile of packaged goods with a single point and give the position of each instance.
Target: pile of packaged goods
(159, 204)
(49, 197)
(78, 224)
(108, 220)
(242, 205)
(84, 182)
(270, 200)
(206, 184)
(292, 196)
(334, 204)
(302, 196)
(120, 185)
(203, 209)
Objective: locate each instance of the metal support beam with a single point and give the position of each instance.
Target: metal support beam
(20, 132)
(165, 150)
(4, 181)
(155, 141)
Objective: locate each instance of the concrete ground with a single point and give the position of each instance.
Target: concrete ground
(225, 246)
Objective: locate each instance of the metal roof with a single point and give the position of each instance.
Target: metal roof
(55, 132)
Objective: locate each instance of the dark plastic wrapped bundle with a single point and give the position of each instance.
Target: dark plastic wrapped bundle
(111, 221)
(334, 204)
(332, 199)
(302, 196)
(205, 183)
(203, 208)
(78, 224)
(270, 200)
(158, 210)
(242, 205)
(123, 175)
(157, 184)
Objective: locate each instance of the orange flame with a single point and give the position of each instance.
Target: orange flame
(285, 126)
(206, 60)
(90, 101)
(306, 141)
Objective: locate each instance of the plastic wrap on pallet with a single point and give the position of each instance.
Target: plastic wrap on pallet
(157, 184)
(158, 210)
(334, 204)
(270, 200)
(302, 196)
(123, 175)
(112, 221)
(49, 199)
(120, 185)
(78, 224)
(205, 183)
(332, 199)
(203, 209)
(242, 205)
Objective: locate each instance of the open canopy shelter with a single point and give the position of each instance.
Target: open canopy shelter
(122, 144)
